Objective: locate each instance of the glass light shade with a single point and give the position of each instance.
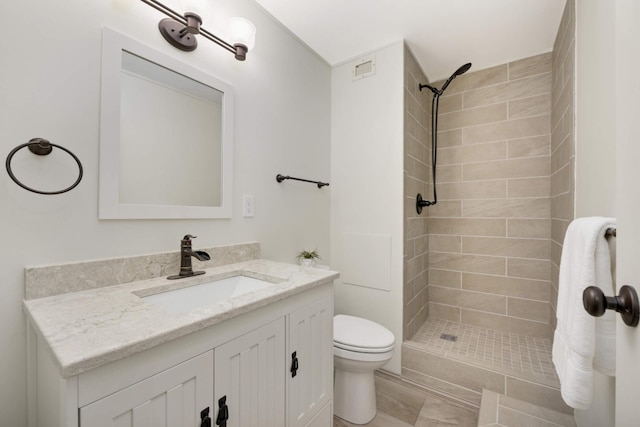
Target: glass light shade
(242, 32)
(202, 8)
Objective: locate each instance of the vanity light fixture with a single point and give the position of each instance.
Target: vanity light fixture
(180, 31)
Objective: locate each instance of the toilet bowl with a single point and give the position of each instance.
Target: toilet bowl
(360, 346)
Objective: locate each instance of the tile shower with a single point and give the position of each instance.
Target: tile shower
(483, 263)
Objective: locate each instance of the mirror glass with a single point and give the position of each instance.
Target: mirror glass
(165, 149)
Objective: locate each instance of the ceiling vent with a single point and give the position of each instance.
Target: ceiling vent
(365, 67)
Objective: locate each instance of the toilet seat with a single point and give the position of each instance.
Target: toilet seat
(361, 335)
(362, 349)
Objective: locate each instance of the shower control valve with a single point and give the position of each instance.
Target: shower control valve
(421, 203)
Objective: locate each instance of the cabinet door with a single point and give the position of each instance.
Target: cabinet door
(311, 338)
(250, 375)
(172, 398)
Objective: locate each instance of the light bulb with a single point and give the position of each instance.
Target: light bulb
(243, 32)
(200, 7)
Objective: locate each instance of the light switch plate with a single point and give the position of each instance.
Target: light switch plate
(248, 206)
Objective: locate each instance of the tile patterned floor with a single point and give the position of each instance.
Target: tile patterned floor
(403, 405)
(499, 410)
(519, 353)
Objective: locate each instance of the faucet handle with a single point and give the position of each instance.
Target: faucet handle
(188, 237)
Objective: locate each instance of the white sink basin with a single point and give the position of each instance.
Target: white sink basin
(183, 300)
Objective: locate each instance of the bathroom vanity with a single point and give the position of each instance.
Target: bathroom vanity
(114, 356)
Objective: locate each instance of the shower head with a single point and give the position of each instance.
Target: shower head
(460, 71)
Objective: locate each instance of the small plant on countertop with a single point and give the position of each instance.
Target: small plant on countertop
(308, 258)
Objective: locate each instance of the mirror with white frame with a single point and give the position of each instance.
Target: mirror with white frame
(166, 136)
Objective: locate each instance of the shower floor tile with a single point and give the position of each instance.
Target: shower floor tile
(516, 353)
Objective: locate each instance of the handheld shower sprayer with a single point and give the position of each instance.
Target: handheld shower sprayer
(435, 102)
(460, 71)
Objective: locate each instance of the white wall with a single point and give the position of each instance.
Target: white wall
(595, 109)
(50, 87)
(595, 179)
(367, 182)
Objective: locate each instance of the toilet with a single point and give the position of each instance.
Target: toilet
(360, 346)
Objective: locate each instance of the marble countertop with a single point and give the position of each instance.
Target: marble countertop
(91, 328)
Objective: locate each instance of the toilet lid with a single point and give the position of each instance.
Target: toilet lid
(358, 334)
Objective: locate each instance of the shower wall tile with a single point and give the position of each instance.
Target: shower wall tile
(469, 227)
(506, 246)
(532, 208)
(513, 89)
(446, 209)
(533, 65)
(450, 279)
(477, 79)
(563, 152)
(569, 65)
(450, 138)
(413, 307)
(472, 153)
(414, 147)
(489, 247)
(527, 309)
(450, 173)
(471, 117)
(509, 286)
(562, 103)
(439, 243)
(562, 181)
(528, 268)
(412, 187)
(444, 312)
(468, 263)
(475, 190)
(529, 147)
(415, 227)
(450, 103)
(529, 107)
(512, 168)
(466, 299)
(556, 252)
(417, 172)
(562, 206)
(505, 323)
(559, 229)
(564, 39)
(562, 143)
(510, 129)
(563, 131)
(529, 187)
(534, 228)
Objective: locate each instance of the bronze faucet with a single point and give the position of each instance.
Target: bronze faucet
(185, 259)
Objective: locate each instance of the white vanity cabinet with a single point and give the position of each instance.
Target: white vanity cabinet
(311, 384)
(170, 398)
(250, 378)
(244, 362)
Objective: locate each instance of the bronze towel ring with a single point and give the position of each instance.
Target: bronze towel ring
(42, 147)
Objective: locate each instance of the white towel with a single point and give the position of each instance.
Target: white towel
(582, 342)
